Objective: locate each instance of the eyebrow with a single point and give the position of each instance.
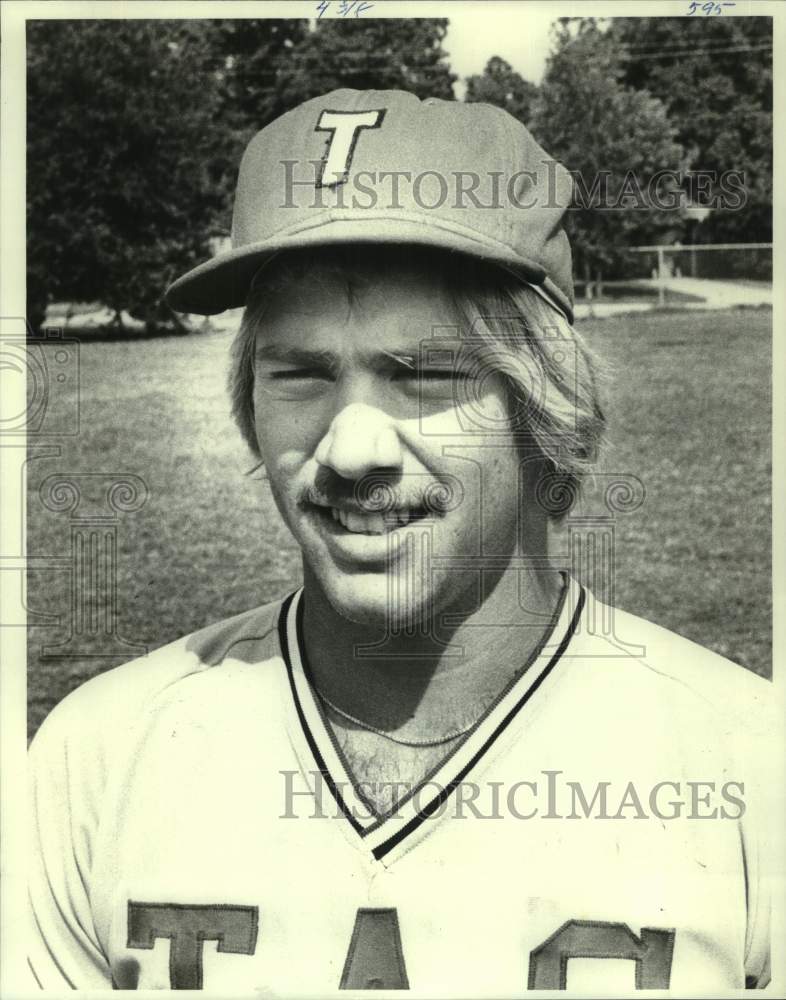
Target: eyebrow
(294, 355)
(306, 358)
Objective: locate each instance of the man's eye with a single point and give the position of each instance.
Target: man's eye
(294, 383)
(425, 375)
(295, 374)
(434, 385)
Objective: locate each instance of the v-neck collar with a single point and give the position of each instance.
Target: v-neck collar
(381, 834)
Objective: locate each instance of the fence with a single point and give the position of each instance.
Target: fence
(731, 261)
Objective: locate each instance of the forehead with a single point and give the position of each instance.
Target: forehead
(338, 307)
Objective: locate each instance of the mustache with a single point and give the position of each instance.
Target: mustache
(383, 493)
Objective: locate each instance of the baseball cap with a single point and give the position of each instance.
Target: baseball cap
(384, 167)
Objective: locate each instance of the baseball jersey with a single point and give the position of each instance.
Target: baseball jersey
(195, 825)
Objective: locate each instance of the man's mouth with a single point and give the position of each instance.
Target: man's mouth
(372, 522)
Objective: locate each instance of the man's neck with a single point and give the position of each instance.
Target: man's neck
(429, 685)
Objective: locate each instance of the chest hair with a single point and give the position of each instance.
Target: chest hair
(387, 771)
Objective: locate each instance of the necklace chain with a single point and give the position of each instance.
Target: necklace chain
(438, 741)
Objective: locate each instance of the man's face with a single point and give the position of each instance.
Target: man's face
(349, 394)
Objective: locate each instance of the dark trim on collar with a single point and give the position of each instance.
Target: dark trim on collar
(386, 846)
(284, 643)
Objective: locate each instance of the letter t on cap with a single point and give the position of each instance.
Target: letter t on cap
(344, 127)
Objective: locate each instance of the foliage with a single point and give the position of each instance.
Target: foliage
(255, 58)
(613, 138)
(715, 77)
(135, 130)
(124, 159)
(501, 85)
(373, 54)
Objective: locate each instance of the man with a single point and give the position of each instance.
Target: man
(429, 768)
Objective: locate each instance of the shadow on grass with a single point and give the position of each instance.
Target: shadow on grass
(623, 292)
(104, 334)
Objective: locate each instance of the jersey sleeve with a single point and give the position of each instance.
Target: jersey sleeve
(757, 945)
(64, 949)
(757, 763)
(81, 748)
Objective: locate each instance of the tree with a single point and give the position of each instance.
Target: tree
(614, 140)
(125, 158)
(135, 130)
(715, 78)
(501, 85)
(374, 54)
(255, 57)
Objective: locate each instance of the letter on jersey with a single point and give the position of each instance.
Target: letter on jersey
(652, 952)
(375, 960)
(344, 127)
(188, 927)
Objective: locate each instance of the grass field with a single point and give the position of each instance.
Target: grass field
(690, 416)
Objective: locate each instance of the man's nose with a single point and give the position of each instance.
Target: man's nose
(360, 439)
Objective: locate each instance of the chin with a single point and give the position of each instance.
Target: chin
(368, 599)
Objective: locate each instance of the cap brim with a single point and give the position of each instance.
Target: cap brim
(223, 281)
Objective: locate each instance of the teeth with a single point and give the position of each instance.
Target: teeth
(364, 524)
(372, 523)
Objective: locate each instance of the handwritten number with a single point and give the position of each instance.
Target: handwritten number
(345, 7)
(710, 8)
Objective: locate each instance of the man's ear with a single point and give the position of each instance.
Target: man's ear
(555, 492)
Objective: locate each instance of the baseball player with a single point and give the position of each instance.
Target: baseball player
(441, 765)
